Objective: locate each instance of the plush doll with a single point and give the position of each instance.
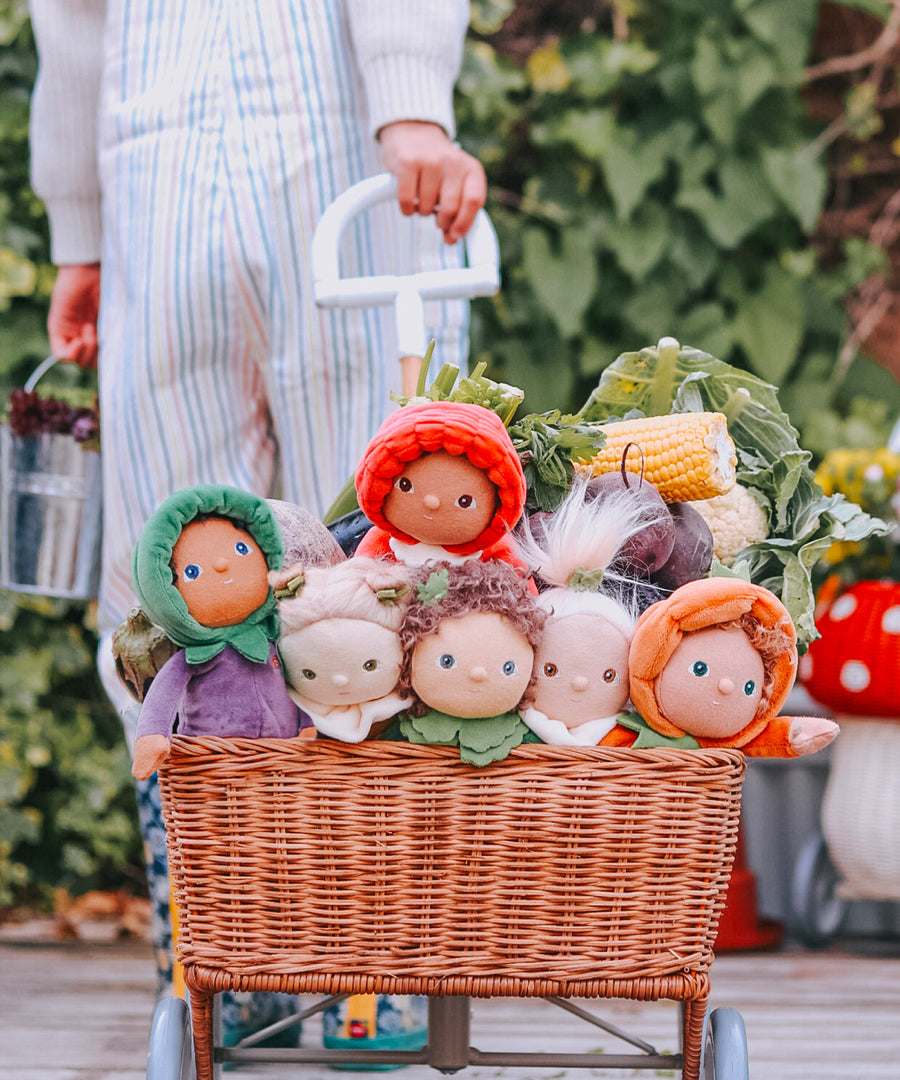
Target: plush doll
(441, 481)
(340, 646)
(712, 665)
(581, 666)
(468, 639)
(200, 570)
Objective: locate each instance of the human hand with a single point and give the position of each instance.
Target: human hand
(74, 306)
(150, 751)
(434, 175)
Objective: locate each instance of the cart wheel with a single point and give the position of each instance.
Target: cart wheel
(818, 912)
(171, 1055)
(724, 1053)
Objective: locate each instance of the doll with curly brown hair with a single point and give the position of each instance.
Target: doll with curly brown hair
(469, 637)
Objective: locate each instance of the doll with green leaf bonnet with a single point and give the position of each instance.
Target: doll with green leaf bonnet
(200, 570)
(469, 638)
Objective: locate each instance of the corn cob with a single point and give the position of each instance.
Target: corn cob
(685, 456)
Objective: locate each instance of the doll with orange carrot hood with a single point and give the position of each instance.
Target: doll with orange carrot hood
(712, 665)
(441, 482)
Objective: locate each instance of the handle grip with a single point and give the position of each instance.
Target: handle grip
(480, 277)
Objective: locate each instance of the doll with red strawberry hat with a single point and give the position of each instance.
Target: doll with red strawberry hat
(441, 482)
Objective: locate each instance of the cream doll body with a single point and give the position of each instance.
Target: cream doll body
(340, 644)
(221, 574)
(343, 673)
(581, 678)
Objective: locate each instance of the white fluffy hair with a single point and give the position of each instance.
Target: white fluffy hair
(585, 534)
(562, 602)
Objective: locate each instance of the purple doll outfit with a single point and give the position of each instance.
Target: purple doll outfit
(227, 695)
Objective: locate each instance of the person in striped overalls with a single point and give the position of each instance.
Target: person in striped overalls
(185, 152)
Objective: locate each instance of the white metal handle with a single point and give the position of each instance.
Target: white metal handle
(480, 277)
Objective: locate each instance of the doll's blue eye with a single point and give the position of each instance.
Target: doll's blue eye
(749, 687)
(510, 667)
(700, 668)
(241, 548)
(192, 571)
(446, 661)
(370, 665)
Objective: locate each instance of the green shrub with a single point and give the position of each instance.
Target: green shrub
(663, 184)
(67, 804)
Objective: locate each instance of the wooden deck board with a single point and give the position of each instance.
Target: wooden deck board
(75, 1012)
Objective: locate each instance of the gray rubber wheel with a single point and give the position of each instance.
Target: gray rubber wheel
(818, 912)
(724, 1054)
(171, 1054)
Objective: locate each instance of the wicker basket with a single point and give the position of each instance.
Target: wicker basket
(388, 867)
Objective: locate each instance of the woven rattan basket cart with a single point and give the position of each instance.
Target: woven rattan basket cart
(331, 868)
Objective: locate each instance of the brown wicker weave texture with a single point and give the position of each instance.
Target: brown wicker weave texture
(393, 866)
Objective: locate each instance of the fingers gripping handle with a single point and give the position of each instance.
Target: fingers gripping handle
(480, 277)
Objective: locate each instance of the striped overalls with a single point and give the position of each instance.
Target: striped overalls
(226, 128)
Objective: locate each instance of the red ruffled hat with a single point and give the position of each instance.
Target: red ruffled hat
(458, 428)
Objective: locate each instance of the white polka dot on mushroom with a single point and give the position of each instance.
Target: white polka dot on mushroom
(890, 621)
(855, 676)
(805, 668)
(842, 608)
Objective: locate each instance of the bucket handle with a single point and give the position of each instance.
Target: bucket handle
(41, 370)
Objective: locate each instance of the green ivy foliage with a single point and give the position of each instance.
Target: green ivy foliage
(664, 184)
(67, 803)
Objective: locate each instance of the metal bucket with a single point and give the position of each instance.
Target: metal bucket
(50, 514)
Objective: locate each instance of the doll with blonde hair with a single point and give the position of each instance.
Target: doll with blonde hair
(339, 645)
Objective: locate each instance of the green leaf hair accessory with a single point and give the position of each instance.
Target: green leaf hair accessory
(585, 580)
(391, 596)
(436, 588)
(291, 588)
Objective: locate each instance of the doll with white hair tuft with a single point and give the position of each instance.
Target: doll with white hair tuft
(339, 645)
(581, 664)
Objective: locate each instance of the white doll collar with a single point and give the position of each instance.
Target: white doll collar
(417, 554)
(350, 723)
(555, 732)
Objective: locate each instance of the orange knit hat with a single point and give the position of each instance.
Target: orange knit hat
(457, 428)
(696, 606)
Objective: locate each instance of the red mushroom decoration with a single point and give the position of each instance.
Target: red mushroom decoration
(854, 667)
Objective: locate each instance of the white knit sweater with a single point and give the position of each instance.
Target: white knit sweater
(408, 53)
